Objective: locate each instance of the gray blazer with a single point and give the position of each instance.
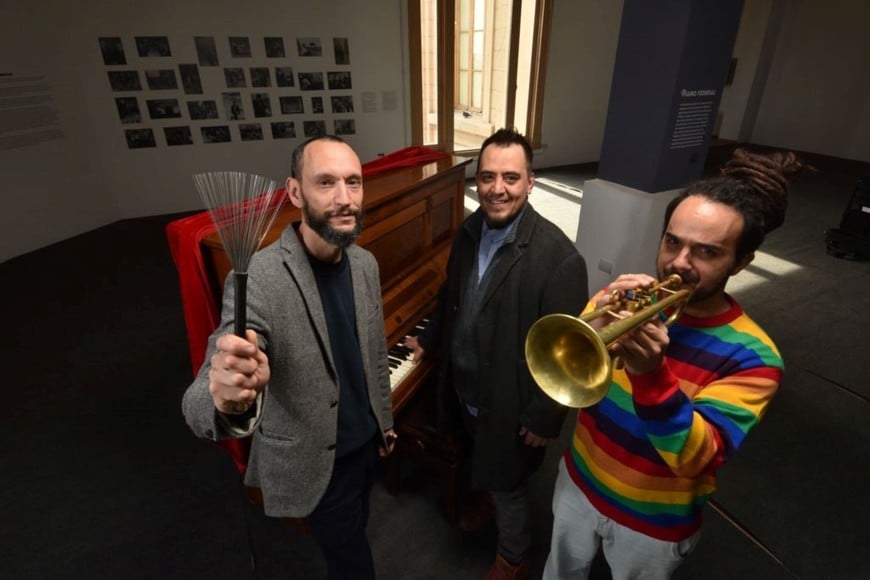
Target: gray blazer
(294, 433)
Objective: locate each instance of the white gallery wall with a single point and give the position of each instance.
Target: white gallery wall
(801, 83)
(817, 94)
(753, 51)
(802, 80)
(72, 169)
(582, 52)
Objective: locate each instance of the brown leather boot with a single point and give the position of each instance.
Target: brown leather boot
(501, 569)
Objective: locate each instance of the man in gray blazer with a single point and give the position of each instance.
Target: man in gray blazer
(310, 382)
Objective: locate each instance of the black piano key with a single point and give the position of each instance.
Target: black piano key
(401, 351)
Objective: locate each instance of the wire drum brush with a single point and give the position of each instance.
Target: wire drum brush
(242, 207)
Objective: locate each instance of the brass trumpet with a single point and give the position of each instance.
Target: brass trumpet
(569, 359)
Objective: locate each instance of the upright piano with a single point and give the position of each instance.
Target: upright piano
(410, 217)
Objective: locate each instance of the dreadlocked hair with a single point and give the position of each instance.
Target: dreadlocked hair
(754, 184)
(768, 176)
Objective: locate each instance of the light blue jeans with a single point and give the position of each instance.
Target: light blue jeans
(579, 530)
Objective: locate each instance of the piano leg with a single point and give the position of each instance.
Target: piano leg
(420, 444)
(452, 482)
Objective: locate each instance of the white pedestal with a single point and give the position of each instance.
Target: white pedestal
(619, 230)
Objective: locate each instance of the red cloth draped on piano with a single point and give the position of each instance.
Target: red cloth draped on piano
(201, 311)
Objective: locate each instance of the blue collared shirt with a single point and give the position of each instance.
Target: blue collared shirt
(490, 241)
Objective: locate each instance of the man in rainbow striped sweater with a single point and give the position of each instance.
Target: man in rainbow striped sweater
(642, 462)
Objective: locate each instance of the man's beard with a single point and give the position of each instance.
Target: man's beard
(503, 222)
(321, 226)
(500, 223)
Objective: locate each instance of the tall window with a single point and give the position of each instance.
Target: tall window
(476, 66)
(471, 16)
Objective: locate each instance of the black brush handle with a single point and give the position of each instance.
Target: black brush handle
(240, 283)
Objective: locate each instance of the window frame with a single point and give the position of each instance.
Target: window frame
(446, 75)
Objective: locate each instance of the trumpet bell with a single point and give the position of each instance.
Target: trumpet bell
(568, 360)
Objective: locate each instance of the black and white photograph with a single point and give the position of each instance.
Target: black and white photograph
(314, 128)
(128, 109)
(233, 106)
(140, 138)
(199, 110)
(113, 50)
(345, 127)
(339, 80)
(317, 104)
(283, 130)
(291, 105)
(235, 77)
(178, 136)
(284, 76)
(342, 51)
(124, 80)
(206, 51)
(309, 46)
(163, 108)
(240, 47)
(153, 46)
(216, 134)
(262, 104)
(260, 76)
(311, 81)
(274, 46)
(342, 104)
(190, 79)
(251, 132)
(161, 79)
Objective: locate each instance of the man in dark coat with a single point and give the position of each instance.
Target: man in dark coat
(508, 267)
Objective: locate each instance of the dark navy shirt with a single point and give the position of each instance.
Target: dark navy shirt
(356, 423)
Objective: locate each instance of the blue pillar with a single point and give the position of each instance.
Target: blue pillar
(671, 63)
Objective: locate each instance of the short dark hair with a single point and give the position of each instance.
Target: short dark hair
(504, 138)
(299, 152)
(753, 184)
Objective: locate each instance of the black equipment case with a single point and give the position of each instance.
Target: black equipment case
(852, 239)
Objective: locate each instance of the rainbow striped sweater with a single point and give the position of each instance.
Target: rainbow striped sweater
(646, 456)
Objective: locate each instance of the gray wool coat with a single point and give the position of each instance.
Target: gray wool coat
(294, 432)
(540, 273)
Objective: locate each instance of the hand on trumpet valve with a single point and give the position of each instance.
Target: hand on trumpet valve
(641, 349)
(629, 283)
(619, 299)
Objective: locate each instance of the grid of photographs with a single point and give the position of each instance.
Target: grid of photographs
(235, 88)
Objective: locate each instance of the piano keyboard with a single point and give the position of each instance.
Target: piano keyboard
(400, 357)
